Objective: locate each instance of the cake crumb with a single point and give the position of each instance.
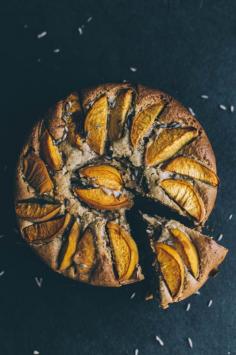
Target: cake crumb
(223, 107)
(149, 297)
(42, 34)
(190, 342)
(159, 340)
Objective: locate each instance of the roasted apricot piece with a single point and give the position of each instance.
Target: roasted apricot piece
(125, 250)
(119, 114)
(186, 250)
(97, 198)
(190, 167)
(71, 245)
(171, 267)
(85, 255)
(183, 193)
(103, 175)
(46, 230)
(50, 152)
(168, 143)
(96, 125)
(143, 122)
(36, 174)
(36, 212)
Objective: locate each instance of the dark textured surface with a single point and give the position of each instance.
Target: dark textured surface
(186, 48)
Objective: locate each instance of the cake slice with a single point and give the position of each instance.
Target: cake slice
(184, 258)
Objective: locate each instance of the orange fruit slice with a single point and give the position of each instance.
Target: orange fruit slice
(36, 212)
(86, 253)
(118, 114)
(36, 174)
(50, 152)
(103, 175)
(96, 125)
(97, 198)
(143, 122)
(190, 167)
(171, 266)
(186, 250)
(71, 245)
(125, 250)
(47, 230)
(183, 193)
(168, 143)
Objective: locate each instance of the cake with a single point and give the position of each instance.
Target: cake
(88, 160)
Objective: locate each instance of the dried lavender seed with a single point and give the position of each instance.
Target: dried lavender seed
(25, 26)
(223, 107)
(39, 281)
(133, 295)
(188, 307)
(133, 69)
(2, 273)
(220, 237)
(159, 340)
(80, 30)
(2, 236)
(205, 97)
(36, 352)
(190, 343)
(209, 303)
(42, 34)
(230, 217)
(136, 352)
(232, 108)
(89, 19)
(197, 293)
(56, 50)
(191, 111)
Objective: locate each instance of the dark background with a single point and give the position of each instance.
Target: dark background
(187, 48)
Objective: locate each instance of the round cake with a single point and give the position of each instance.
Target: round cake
(89, 158)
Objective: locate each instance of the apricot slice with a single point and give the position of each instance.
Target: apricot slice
(96, 125)
(186, 250)
(189, 167)
(46, 230)
(50, 152)
(73, 136)
(86, 253)
(168, 143)
(171, 267)
(118, 115)
(71, 245)
(125, 250)
(36, 212)
(36, 174)
(97, 198)
(103, 175)
(183, 193)
(143, 122)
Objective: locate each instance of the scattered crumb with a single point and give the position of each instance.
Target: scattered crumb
(149, 297)
(223, 107)
(56, 50)
(231, 108)
(39, 281)
(191, 111)
(42, 34)
(209, 303)
(125, 81)
(220, 237)
(190, 342)
(197, 293)
(230, 217)
(80, 30)
(133, 69)
(159, 340)
(2, 273)
(205, 97)
(188, 307)
(136, 352)
(89, 19)
(133, 295)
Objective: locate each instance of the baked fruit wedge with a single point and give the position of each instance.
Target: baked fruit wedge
(34, 211)
(69, 249)
(184, 258)
(50, 152)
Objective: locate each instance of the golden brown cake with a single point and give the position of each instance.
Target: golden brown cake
(88, 159)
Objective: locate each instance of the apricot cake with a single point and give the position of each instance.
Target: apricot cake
(83, 167)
